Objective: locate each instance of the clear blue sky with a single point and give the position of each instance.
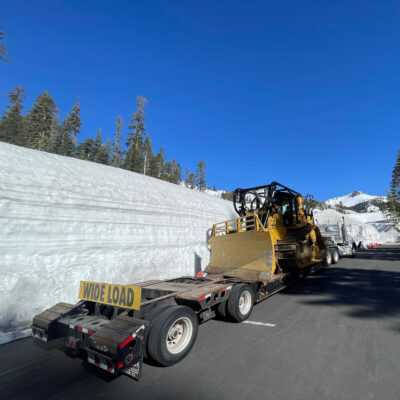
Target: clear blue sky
(305, 93)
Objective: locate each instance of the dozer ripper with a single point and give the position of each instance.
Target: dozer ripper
(271, 244)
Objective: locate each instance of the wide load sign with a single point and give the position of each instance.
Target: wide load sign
(124, 296)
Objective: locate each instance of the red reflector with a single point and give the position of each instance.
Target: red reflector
(120, 364)
(223, 290)
(90, 332)
(201, 298)
(79, 328)
(126, 341)
(200, 274)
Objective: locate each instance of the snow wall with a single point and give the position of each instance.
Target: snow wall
(356, 230)
(65, 220)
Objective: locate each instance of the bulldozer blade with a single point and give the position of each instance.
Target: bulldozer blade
(245, 255)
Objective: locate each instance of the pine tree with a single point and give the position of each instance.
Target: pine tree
(148, 155)
(201, 176)
(97, 144)
(393, 204)
(227, 195)
(176, 173)
(63, 143)
(190, 180)
(3, 50)
(134, 160)
(103, 155)
(117, 149)
(214, 189)
(75, 120)
(340, 208)
(157, 164)
(166, 171)
(41, 123)
(12, 128)
(85, 150)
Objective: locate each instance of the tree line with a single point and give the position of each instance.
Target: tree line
(39, 129)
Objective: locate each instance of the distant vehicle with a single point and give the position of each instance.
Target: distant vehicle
(335, 234)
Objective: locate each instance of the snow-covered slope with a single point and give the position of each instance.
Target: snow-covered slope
(64, 220)
(354, 198)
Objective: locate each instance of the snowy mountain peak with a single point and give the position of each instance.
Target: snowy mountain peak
(356, 193)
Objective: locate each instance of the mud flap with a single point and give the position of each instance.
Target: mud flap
(135, 371)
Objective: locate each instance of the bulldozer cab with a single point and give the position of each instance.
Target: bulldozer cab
(287, 206)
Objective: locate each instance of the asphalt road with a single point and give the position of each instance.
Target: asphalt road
(336, 336)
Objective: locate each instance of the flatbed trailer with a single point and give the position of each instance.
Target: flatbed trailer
(117, 340)
(272, 243)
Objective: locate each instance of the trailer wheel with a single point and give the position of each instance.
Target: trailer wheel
(335, 256)
(240, 302)
(328, 258)
(221, 309)
(173, 335)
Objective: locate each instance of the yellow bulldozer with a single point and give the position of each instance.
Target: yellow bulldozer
(273, 234)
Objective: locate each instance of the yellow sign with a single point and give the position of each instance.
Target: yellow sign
(125, 296)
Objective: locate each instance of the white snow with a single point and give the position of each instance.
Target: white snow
(367, 227)
(352, 199)
(64, 220)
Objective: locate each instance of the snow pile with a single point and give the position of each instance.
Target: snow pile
(356, 230)
(66, 220)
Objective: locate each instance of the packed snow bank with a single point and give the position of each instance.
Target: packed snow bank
(356, 230)
(66, 220)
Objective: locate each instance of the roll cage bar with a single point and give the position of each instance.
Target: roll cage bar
(263, 199)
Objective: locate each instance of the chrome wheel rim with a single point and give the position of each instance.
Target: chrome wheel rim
(179, 335)
(245, 302)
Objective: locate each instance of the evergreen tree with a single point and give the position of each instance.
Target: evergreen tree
(176, 173)
(75, 120)
(227, 195)
(134, 159)
(148, 155)
(393, 204)
(3, 50)
(41, 123)
(102, 155)
(156, 164)
(201, 176)
(98, 143)
(214, 189)
(340, 208)
(63, 143)
(12, 129)
(117, 149)
(190, 180)
(86, 149)
(166, 171)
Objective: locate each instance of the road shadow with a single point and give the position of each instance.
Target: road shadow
(368, 293)
(381, 253)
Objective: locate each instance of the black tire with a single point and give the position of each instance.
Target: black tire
(240, 293)
(335, 256)
(328, 258)
(186, 322)
(221, 310)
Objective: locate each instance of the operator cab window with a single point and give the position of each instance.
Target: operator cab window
(287, 209)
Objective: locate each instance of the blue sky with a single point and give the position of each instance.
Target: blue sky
(305, 93)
